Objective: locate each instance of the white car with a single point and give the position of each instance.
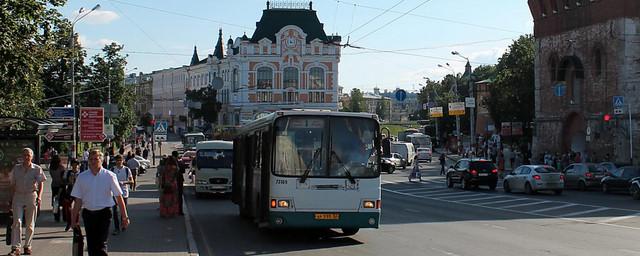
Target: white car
(424, 154)
(397, 160)
(533, 178)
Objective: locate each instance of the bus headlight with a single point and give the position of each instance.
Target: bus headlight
(369, 204)
(283, 203)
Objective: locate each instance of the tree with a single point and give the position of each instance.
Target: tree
(26, 30)
(512, 92)
(382, 109)
(209, 105)
(357, 101)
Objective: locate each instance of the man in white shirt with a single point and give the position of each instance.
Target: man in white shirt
(134, 165)
(94, 191)
(125, 178)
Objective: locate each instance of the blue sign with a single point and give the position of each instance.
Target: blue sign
(60, 113)
(401, 95)
(559, 90)
(618, 101)
(161, 127)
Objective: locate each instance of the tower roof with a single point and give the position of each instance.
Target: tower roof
(273, 20)
(219, 50)
(194, 58)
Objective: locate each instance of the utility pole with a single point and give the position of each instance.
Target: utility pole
(630, 135)
(473, 114)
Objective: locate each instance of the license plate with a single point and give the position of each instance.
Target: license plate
(327, 216)
(483, 174)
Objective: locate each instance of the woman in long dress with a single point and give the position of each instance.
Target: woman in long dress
(169, 204)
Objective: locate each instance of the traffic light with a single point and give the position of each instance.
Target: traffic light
(606, 117)
(606, 120)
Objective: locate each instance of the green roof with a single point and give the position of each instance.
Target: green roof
(273, 20)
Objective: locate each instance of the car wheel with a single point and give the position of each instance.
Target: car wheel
(605, 188)
(404, 166)
(392, 169)
(558, 191)
(582, 186)
(635, 192)
(528, 189)
(493, 186)
(449, 181)
(465, 184)
(506, 187)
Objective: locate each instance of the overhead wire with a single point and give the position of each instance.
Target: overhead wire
(397, 18)
(374, 18)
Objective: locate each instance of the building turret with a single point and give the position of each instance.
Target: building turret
(194, 58)
(219, 51)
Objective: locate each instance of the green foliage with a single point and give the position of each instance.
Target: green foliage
(512, 92)
(382, 109)
(25, 31)
(357, 101)
(210, 106)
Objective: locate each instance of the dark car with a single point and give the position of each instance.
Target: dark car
(634, 190)
(622, 179)
(583, 175)
(473, 172)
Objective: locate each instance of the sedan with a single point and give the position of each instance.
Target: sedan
(473, 172)
(583, 175)
(533, 178)
(187, 157)
(635, 189)
(621, 180)
(144, 163)
(424, 154)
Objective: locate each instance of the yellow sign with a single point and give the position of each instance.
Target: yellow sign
(436, 112)
(456, 108)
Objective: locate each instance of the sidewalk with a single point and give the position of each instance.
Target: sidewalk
(148, 234)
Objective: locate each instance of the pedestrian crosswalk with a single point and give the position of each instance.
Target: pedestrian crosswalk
(434, 188)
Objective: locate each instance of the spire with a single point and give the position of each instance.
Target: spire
(194, 58)
(219, 51)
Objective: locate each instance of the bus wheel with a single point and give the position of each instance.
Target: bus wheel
(350, 231)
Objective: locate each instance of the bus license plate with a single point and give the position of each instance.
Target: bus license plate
(327, 216)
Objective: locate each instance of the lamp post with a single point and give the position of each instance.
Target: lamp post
(472, 120)
(455, 84)
(81, 14)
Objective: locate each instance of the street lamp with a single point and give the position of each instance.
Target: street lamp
(81, 14)
(455, 84)
(472, 95)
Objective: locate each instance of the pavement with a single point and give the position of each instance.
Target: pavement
(148, 233)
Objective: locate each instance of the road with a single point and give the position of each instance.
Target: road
(429, 219)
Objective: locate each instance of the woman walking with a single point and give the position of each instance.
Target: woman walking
(56, 170)
(65, 195)
(169, 201)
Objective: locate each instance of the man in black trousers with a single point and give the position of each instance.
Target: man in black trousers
(181, 171)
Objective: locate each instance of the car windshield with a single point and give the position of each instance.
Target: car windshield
(593, 168)
(546, 169)
(214, 158)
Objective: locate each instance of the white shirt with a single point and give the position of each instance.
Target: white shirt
(85, 156)
(123, 175)
(96, 191)
(133, 163)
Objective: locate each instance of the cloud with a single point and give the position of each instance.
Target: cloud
(88, 43)
(98, 17)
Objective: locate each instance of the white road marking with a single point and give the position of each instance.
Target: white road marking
(553, 208)
(477, 199)
(419, 189)
(526, 204)
(428, 193)
(615, 219)
(445, 252)
(503, 201)
(412, 210)
(629, 251)
(584, 212)
(457, 196)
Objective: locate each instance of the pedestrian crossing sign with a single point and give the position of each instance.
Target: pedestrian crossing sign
(161, 127)
(618, 101)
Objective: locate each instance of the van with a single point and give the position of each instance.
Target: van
(405, 149)
(213, 164)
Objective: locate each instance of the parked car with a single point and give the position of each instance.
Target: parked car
(144, 163)
(388, 166)
(473, 172)
(609, 167)
(634, 190)
(187, 157)
(405, 149)
(533, 178)
(397, 160)
(621, 180)
(424, 154)
(583, 175)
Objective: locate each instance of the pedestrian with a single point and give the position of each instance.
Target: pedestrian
(169, 189)
(180, 180)
(56, 171)
(27, 181)
(94, 191)
(133, 165)
(125, 177)
(443, 162)
(65, 195)
(85, 159)
(415, 173)
(145, 153)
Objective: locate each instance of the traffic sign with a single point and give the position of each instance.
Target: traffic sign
(64, 134)
(559, 89)
(60, 113)
(161, 127)
(92, 124)
(456, 108)
(618, 111)
(108, 131)
(401, 95)
(160, 137)
(436, 112)
(618, 101)
(470, 102)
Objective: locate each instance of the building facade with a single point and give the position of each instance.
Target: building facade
(587, 52)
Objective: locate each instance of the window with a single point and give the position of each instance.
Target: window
(264, 96)
(215, 158)
(265, 78)
(290, 78)
(316, 78)
(316, 97)
(236, 78)
(290, 97)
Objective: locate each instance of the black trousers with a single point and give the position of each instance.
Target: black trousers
(116, 215)
(180, 192)
(96, 225)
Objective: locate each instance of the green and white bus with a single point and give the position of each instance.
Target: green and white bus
(309, 169)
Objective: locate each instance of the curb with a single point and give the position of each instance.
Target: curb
(191, 242)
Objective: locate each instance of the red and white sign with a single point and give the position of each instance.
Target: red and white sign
(92, 124)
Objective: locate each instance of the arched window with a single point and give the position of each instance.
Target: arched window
(236, 78)
(265, 78)
(316, 78)
(290, 78)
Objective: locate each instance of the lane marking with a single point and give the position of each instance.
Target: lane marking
(584, 212)
(412, 210)
(419, 189)
(518, 212)
(503, 201)
(445, 252)
(615, 219)
(629, 251)
(553, 208)
(428, 193)
(527, 204)
(477, 199)
(457, 196)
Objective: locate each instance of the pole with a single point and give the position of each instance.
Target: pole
(473, 114)
(630, 136)
(73, 93)
(437, 133)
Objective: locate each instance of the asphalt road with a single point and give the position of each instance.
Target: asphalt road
(427, 218)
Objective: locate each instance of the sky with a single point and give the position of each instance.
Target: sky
(403, 41)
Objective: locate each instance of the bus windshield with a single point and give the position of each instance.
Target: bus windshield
(326, 147)
(190, 140)
(214, 158)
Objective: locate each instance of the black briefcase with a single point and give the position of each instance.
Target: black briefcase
(78, 242)
(9, 222)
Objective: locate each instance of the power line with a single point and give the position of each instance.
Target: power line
(377, 16)
(145, 52)
(435, 47)
(397, 18)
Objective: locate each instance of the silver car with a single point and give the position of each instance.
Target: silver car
(533, 178)
(583, 175)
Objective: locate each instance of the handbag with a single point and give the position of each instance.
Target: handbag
(78, 242)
